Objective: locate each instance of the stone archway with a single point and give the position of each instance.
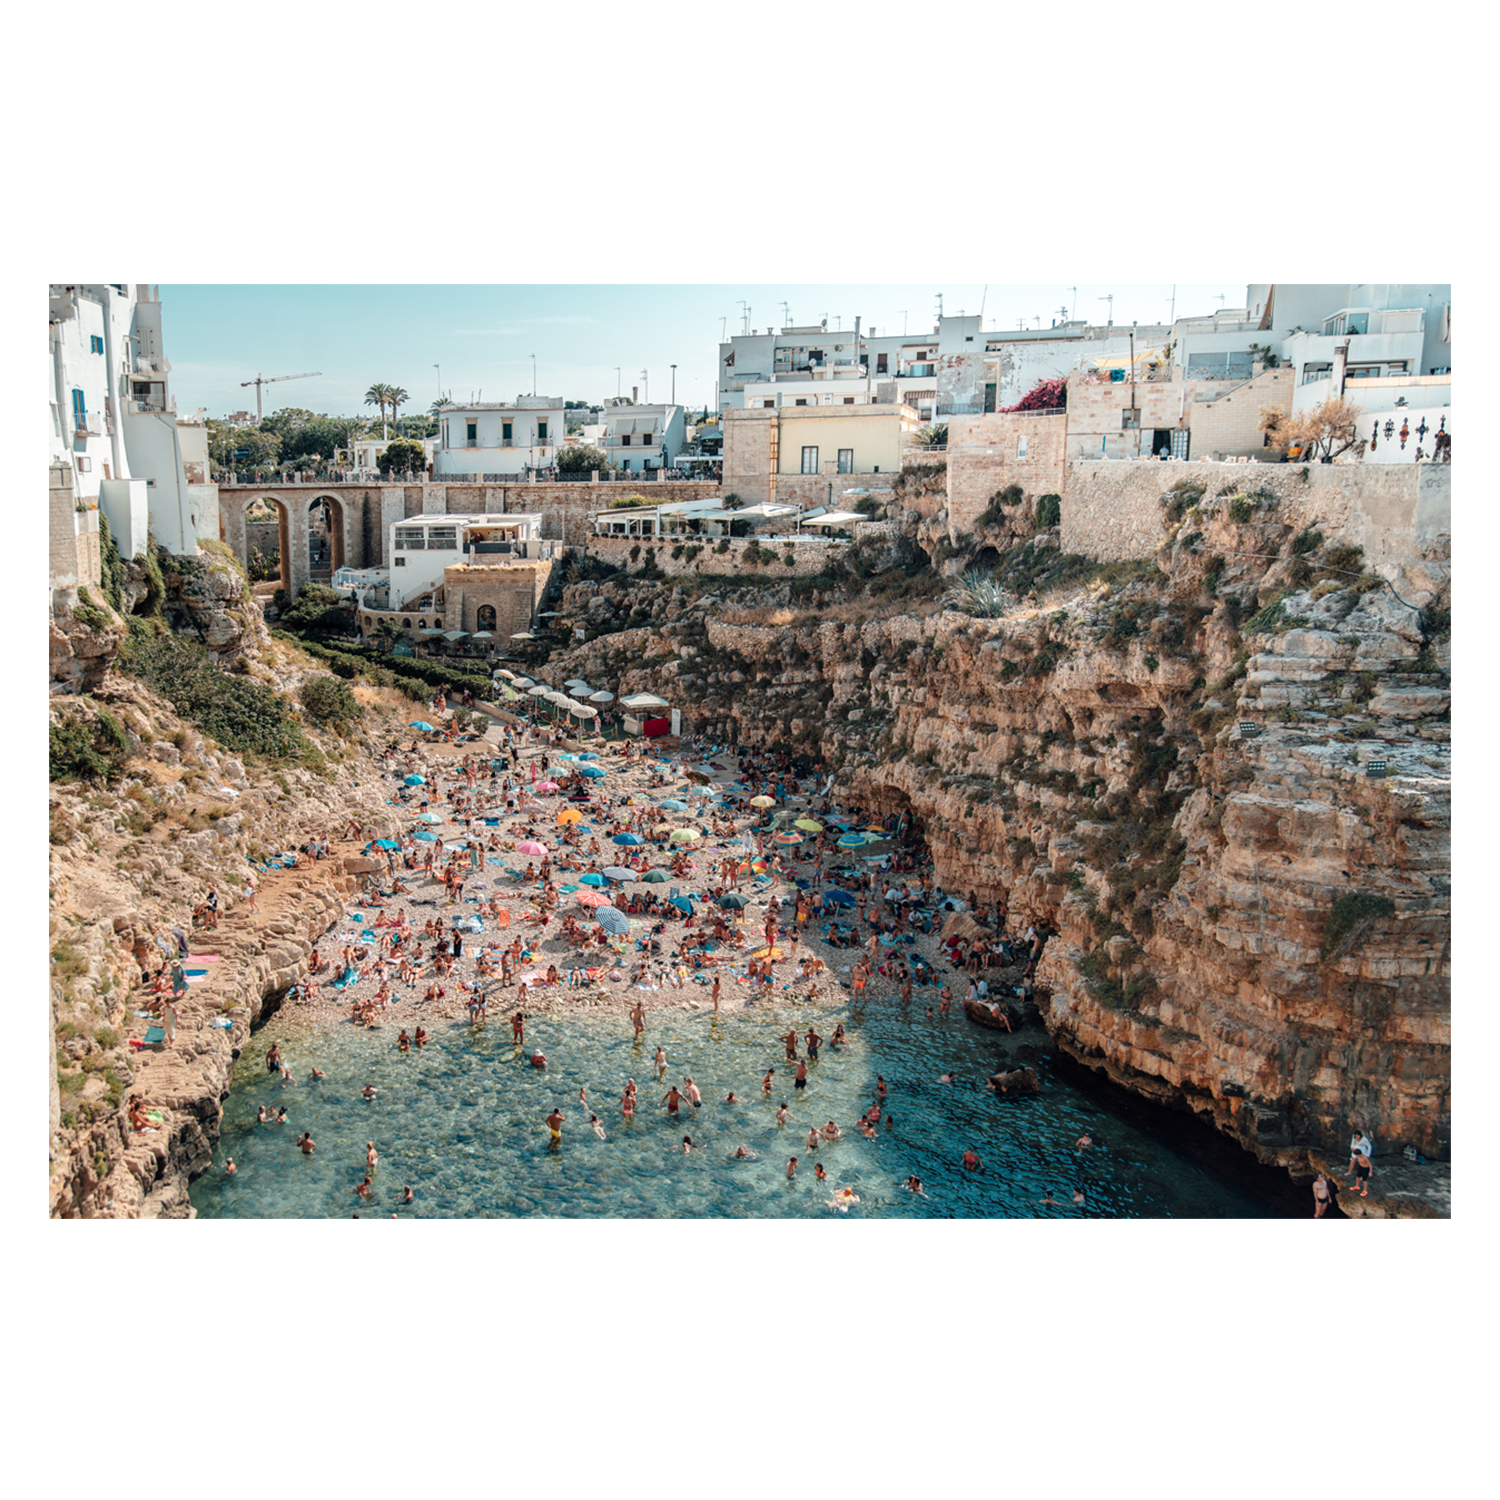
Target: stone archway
(233, 522)
(325, 537)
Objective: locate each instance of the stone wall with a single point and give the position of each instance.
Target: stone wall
(1230, 425)
(811, 490)
(983, 458)
(750, 452)
(809, 556)
(512, 591)
(1113, 511)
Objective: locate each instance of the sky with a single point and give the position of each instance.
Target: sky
(591, 342)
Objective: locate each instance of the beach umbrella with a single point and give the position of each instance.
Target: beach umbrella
(601, 697)
(546, 786)
(733, 901)
(629, 838)
(612, 920)
(594, 772)
(421, 724)
(588, 755)
(762, 801)
(570, 815)
(583, 711)
(684, 836)
(428, 818)
(530, 846)
(837, 897)
(591, 879)
(682, 904)
(655, 877)
(386, 844)
(538, 691)
(415, 780)
(619, 872)
(425, 836)
(786, 839)
(592, 899)
(673, 804)
(511, 695)
(853, 841)
(699, 793)
(574, 682)
(808, 825)
(524, 682)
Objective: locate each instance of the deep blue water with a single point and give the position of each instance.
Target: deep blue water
(462, 1123)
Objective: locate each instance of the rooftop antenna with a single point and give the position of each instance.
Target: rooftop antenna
(786, 315)
(1037, 319)
(1221, 301)
(1074, 291)
(1020, 323)
(902, 311)
(722, 322)
(940, 307)
(1110, 298)
(983, 297)
(1062, 312)
(745, 315)
(646, 388)
(1172, 318)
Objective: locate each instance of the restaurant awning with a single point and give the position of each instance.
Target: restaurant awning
(835, 518)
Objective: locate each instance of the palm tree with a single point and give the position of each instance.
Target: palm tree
(436, 409)
(378, 395)
(395, 394)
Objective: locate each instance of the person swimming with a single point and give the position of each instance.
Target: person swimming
(598, 1125)
(742, 1153)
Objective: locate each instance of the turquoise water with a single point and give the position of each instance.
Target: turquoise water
(462, 1123)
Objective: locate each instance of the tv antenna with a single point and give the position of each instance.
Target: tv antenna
(1110, 298)
(786, 315)
(746, 315)
(1074, 291)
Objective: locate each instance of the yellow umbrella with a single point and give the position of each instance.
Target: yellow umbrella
(808, 825)
(684, 836)
(762, 801)
(570, 815)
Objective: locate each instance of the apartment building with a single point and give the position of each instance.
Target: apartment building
(496, 439)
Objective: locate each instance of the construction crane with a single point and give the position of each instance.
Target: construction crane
(261, 380)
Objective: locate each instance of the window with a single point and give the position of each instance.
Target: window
(84, 463)
(96, 344)
(1130, 418)
(625, 439)
(880, 364)
(768, 403)
(848, 400)
(809, 460)
(541, 432)
(801, 400)
(79, 410)
(485, 618)
(1021, 446)
(442, 539)
(406, 624)
(505, 432)
(400, 562)
(846, 460)
(471, 434)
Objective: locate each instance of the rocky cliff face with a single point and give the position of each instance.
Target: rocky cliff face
(1222, 777)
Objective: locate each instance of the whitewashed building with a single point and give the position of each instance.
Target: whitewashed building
(114, 418)
(497, 440)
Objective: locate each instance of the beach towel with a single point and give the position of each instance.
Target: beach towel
(155, 1036)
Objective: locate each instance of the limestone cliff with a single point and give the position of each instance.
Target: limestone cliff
(1223, 777)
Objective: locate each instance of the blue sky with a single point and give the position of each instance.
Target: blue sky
(483, 337)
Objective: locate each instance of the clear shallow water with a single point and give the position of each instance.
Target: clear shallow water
(462, 1123)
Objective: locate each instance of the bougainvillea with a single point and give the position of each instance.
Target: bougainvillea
(1044, 394)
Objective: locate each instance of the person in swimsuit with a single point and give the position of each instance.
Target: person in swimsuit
(406, 1195)
(800, 1081)
(661, 1063)
(914, 1185)
(971, 1160)
(372, 1156)
(598, 1125)
(555, 1125)
(229, 1167)
(306, 1143)
(791, 1045)
(694, 1097)
(765, 1083)
(1321, 1196)
(369, 1091)
(819, 1173)
(687, 1145)
(791, 1168)
(673, 1100)
(814, 1041)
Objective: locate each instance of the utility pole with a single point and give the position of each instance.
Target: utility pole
(674, 385)
(786, 315)
(1111, 300)
(902, 311)
(722, 322)
(1134, 416)
(439, 369)
(746, 315)
(940, 307)
(533, 375)
(1172, 315)
(1074, 312)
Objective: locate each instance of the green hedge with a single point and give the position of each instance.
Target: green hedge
(390, 671)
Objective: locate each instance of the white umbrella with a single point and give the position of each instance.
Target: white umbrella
(579, 689)
(539, 691)
(583, 711)
(601, 697)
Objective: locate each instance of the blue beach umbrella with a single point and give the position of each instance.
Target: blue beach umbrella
(428, 818)
(386, 844)
(421, 724)
(837, 897)
(588, 755)
(629, 838)
(673, 804)
(853, 841)
(683, 905)
(618, 872)
(426, 836)
(594, 772)
(592, 879)
(415, 780)
(733, 901)
(612, 920)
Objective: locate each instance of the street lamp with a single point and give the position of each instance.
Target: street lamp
(674, 385)
(533, 374)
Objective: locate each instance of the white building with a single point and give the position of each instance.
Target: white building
(423, 546)
(642, 438)
(365, 452)
(496, 440)
(114, 419)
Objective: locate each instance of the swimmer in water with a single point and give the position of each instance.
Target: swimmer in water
(781, 1114)
(971, 1160)
(538, 1059)
(879, 1086)
(831, 1132)
(1078, 1195)
(687, 1145)
(369, 1091)
(372, 1156)
(765, 1083)
(791, 1169)
(948, 1078)
(1083, 1142)
(306, 1143)
(914, 1185)
(598, 1125)
(819, 1173)
(229, 1167)
(661, 1063)
(731, 1097)
(260, 1115)
(364, 1188)
(843, 1199)
(812, 1139)
(742, 1153)
(555, 1125)
(318, 1075)
(1048, 1201)
(406, 1195)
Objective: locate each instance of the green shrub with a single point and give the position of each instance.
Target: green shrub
(1305, 542)
(1048, 511)
(85, 748)
(331, 702)
(1241, 509)
(1350, 919)
(243, 716)
(111, 566)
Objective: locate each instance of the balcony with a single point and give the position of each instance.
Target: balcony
(87, 424)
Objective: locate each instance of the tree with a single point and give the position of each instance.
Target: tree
(319, 608)
(579, 458)
(436, 409)
(261, 448)
(732, 501)
(320, 437)
(287, 420)
(379, 395)
(331, 702)
(396, 394)
(401, 456)
(1323, 432)
(932, 437)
